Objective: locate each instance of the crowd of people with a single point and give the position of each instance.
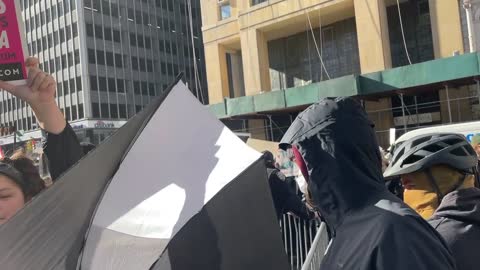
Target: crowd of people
(428, 219)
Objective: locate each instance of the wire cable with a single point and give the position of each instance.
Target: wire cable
(403, 32)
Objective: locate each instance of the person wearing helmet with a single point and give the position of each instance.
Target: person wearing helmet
(284, 199)
(336, 149)
(438, 173)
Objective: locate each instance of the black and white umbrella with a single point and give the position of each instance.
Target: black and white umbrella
(173, 189)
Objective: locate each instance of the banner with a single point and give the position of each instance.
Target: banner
(13, 47)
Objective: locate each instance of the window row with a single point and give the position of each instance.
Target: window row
(22, 124)
(69, 86)
(104, 7)
(105, 110)
(61, 62)
(144, 88)
(107, 84)
(70, 113)
(55, 38)
(49, 14)
(8, 105)
(105, 58)
(100, 32)
(169, 69)
(142, 64)
(140, 41)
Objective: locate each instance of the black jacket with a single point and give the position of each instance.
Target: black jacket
(371, 228)
(457, 219)
(284, 199)
(62, 150)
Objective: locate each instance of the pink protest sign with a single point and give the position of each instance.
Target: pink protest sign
(13, 49)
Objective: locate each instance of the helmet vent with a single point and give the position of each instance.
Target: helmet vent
(458, 152)
(433, 148)
(412, 159)
(399, 155)
(453, 141)
(420, 140)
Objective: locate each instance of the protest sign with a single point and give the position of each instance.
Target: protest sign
(13, 49)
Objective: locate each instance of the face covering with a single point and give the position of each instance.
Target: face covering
(421, 195)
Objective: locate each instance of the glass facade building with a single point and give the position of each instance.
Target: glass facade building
(110, 58)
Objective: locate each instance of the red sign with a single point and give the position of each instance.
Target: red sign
(13, 49)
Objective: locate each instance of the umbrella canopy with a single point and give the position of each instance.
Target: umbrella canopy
(172, 189)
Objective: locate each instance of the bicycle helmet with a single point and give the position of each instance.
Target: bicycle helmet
(424, 151)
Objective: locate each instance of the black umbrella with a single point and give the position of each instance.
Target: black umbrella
(172, 189)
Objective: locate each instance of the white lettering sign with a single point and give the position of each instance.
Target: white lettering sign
(4, 40)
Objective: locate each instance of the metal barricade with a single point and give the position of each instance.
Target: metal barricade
(298, 238)
(317, 251)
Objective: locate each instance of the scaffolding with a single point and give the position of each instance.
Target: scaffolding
(456, 104)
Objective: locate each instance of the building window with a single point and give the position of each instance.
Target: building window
(148, 43)
(109, 59)
(100, 58)
(118, 60)
(98, 32)
(80, 111)
(256, 2)
(161, 46)
(72, 85)
(93, 83)
(65, 88)
(113, 111)
(105, 110)
(59, 89)
(120, 86)
(111, 85)
(144, 88)
(149, 65)
(133, 39)
(91, 56)
(102, 84)
(95, 110)
(140, 41)
(108, 34)
(116, 35)
(134, 63)
(74, 112)
(123, 111)
(151, 89)
(142, 65)
(136, 87)
(225, 11)
(79, 83)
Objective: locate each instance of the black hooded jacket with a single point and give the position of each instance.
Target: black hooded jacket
(457, 219)
(371, 228)
(63, 151)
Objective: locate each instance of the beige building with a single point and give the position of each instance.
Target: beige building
(253, 47)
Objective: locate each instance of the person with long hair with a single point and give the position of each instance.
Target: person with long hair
(20, 181)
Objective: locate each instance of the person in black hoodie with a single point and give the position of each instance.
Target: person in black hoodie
(62, 147)
(438, 172)
(284, 198)
(336, 149)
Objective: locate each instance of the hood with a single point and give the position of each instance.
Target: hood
(462, 205)
(338, 144)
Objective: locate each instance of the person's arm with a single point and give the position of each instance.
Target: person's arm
(288, 200)
(62, 147)
(63, 150)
